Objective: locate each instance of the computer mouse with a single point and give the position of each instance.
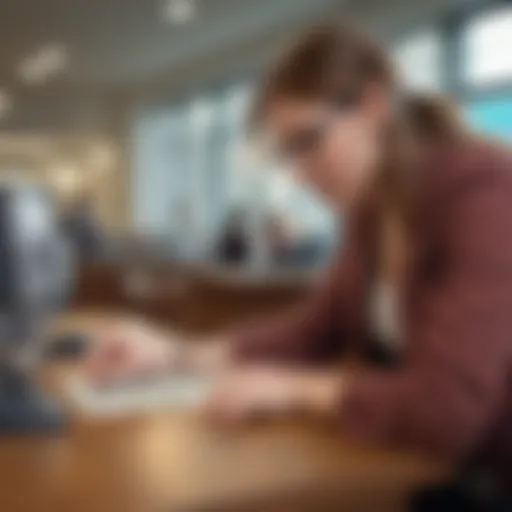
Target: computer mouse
(71, 345)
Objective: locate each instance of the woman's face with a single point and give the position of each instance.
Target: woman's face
(334, 151)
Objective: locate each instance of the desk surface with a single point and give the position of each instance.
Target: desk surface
(169, 461)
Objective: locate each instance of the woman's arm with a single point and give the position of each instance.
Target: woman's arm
(313, 330)
(308, 332)
(448, 394)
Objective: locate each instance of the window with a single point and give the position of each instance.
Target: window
(151, 189)
(195, 153)
(487, 43)
(201, 111)
(418, 59)
(237, 103)
(492, 116)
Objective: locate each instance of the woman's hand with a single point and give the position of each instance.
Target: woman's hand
(130, 349)
(133, 349)
(269, 391)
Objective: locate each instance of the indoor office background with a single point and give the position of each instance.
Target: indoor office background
(141, 106)
(462, 52)
(132, 114)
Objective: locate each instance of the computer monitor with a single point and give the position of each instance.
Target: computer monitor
(35, 276)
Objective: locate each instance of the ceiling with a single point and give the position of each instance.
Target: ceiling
(120, 50)
(121, 43)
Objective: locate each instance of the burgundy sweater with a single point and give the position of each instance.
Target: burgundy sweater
(452, 394)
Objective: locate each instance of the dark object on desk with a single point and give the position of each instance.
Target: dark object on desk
(24, 410)
(73, 345)
(35, 275)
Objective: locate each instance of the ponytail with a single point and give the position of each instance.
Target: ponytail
(433, 117)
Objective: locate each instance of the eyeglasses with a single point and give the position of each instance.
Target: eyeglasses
(305, 141)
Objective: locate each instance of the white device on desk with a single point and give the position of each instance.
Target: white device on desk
(172, 392)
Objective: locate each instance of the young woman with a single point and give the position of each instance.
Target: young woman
(425, 273)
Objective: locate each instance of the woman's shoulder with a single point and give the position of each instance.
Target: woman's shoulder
(454, 169)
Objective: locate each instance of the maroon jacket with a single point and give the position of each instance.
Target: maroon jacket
(453, 392)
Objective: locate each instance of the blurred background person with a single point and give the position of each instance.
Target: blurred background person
(234, 245)
(293, 243)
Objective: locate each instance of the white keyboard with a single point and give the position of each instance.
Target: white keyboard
(171, 392)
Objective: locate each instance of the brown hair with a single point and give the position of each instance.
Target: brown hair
(335, 63)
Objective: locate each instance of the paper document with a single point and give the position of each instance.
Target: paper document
(170, 392)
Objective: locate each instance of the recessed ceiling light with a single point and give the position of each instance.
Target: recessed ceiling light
(45, 63)
(179, 12)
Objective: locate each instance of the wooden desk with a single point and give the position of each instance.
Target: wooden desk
(177, 462)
